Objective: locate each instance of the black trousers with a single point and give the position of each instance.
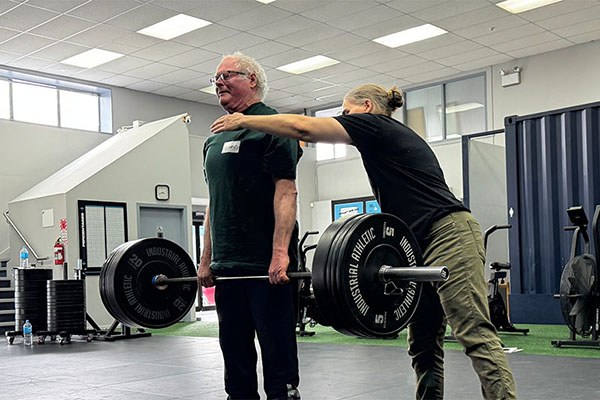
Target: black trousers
(255, 307)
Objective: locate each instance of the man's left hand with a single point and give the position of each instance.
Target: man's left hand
(278, 269)
(229, 122)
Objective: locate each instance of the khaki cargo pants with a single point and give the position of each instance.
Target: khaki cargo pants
(456, 241)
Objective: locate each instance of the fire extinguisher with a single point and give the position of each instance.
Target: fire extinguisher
(59, 252)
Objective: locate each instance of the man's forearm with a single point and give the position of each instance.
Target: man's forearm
(284, 204)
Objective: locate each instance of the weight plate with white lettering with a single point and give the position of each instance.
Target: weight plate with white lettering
(374, 240)
(127, 290)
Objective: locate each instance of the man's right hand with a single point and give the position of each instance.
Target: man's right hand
(205, 275)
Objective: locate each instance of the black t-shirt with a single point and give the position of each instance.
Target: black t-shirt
(404, 173)
(239, 168)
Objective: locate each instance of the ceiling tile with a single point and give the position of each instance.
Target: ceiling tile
(556, 9)
(275, 94)
(256, 17)
(146, 86)
(343, 43)
(464, 57)
(335, 10)
(539, 48)
(151, 70)
(161, 51)
(62, 27)
(448, 9)
(289, 81)
(171, 91)
(431, 75)
(136, 40)
(571, 18)
(181, 6)
(333, 70)
(447, 51)
(529, 41)
(208, 67)
(102, 34)
(266, 49)
(394, 67)
(491, 27)
(6, 57)
(123, 64)
(284, 26)
(360, 50)
(63, 69)
(6, 34)
(121, 80)
(175, 77)
(483, 62)
(384, 54)
(141, 17)
(94, 75)
(286, 57)
(206, 35)
(191, 57)
(25, 17)
(25, 44)
(296, 6)
(475, 17)
(59, 51)
(411, 6)
(219, 10)
(517, 33)
(359, 20)
(31, 63)
(586, 37)
(390, 26)
(100, 11)
(578, 29)
(199, 96)
(358, 73)
(315, 33)
(7, 6)
(60, 6)
(437, 42)
(234, 43)
(200, 81)
(417, 69)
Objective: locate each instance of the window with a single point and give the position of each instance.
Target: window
(447, 110)
(35, 103)
(328, 151)
(48, 101)
(79, 110)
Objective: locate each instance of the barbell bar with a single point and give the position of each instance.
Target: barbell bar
(386, 274)
(355, 262)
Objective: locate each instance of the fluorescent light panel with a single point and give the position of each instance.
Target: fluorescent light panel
(519, 6)
(411, 35)
(265, 1)
(308, 64)
(174, 26)
(208, 89)
(92, 58)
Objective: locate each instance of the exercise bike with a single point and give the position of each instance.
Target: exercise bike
(498, 311)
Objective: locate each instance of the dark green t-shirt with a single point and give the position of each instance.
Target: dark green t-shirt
(240, 168)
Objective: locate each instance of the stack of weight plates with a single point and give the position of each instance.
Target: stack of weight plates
(30, 297)
(66, 306)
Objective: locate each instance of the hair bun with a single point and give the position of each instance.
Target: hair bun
(395, 97)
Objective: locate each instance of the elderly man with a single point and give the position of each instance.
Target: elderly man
(250, 229)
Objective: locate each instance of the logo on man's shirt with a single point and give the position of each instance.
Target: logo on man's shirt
(231, 147)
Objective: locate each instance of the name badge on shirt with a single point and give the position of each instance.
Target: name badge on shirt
(231, 147)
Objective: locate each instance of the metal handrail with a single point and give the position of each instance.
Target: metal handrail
(12, 224)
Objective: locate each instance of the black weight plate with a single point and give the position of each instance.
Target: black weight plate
(106, 290)
(320, 270)
(375, 240)
(127, 283)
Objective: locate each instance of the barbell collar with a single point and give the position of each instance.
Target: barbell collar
(415, 274)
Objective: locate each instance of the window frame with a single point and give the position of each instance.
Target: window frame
(444, 120)
(104, 95)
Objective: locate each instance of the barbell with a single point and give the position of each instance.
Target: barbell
(366, 275)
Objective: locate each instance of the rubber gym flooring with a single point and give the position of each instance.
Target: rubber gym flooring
(164, 367)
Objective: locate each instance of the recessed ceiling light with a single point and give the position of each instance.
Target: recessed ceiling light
(92, 58)
(208, 89)
(519, 6)
(174, 26)
(411, 35)
(265, 1)
(308, 64)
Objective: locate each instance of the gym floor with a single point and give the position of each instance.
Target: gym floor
(163, 367)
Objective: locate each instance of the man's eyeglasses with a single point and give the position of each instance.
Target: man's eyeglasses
(225, 75)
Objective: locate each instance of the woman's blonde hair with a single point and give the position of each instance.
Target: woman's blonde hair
(385, 101)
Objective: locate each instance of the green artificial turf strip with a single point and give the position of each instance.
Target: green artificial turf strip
(536, 342)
